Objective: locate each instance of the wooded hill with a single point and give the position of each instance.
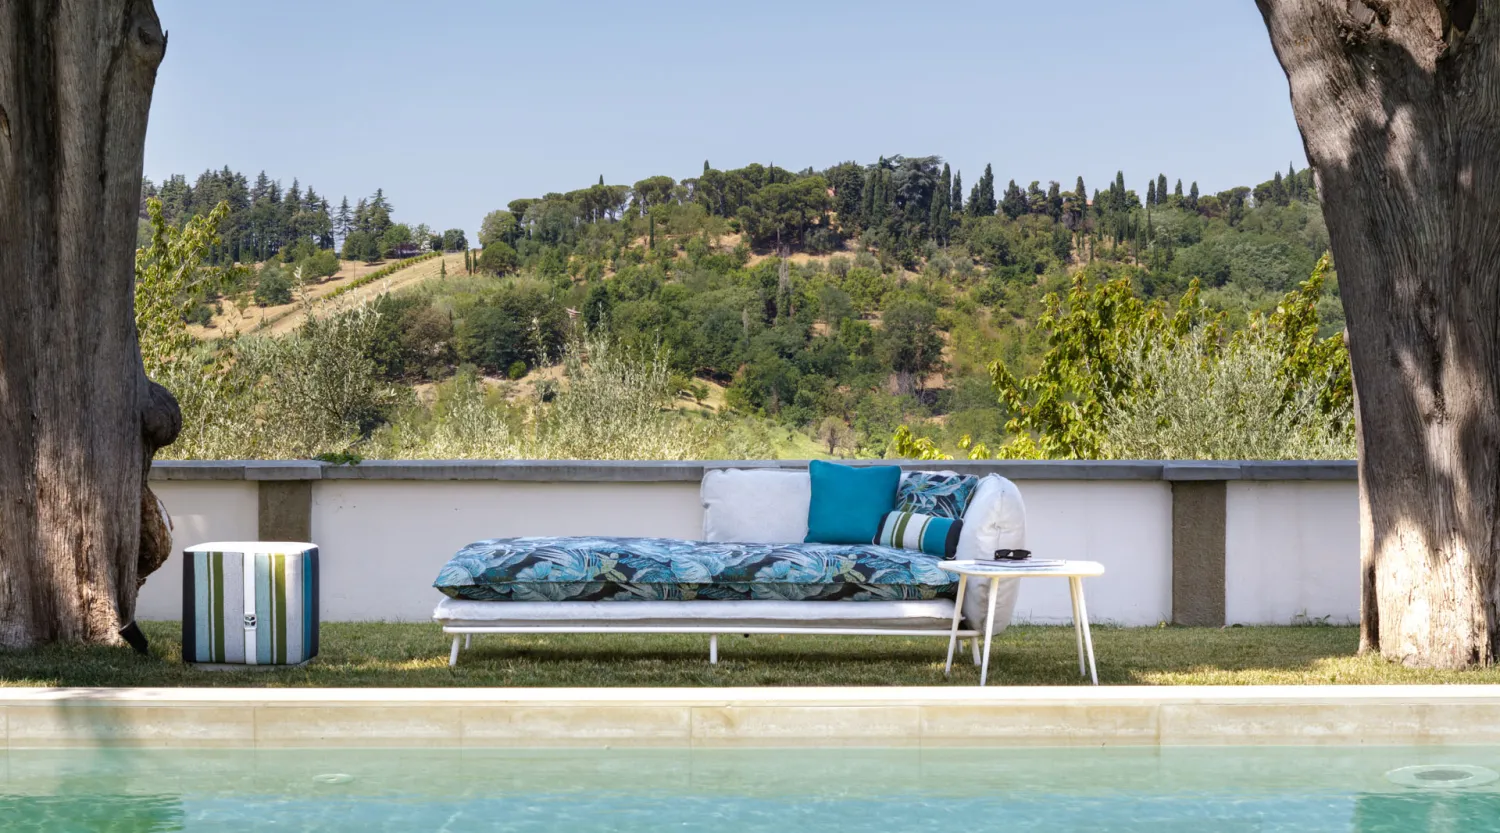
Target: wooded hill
(840, 303)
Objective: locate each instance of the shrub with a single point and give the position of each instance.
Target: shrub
(273, 287)
(516, 370)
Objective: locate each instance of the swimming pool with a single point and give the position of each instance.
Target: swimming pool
(1160, 790)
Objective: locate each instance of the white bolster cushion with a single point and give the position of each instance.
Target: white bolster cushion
(995, 519)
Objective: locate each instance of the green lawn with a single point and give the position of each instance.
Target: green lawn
(401, 655)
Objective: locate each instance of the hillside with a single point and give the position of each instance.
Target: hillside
(242, 315)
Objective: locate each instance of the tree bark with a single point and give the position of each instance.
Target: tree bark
(79, 420)
(1399, 106)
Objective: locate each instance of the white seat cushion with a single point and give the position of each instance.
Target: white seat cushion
(934, 613)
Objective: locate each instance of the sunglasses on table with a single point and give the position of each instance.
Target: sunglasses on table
(1012, 555)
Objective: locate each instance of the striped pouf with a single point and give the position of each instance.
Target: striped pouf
(249, 603)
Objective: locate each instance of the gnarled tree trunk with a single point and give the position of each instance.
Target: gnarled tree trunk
(1399, 106)
(79, 421)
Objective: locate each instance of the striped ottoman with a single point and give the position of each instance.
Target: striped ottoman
(250, 603)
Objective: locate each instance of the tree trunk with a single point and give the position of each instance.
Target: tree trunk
(1399, 106)
(79, 421)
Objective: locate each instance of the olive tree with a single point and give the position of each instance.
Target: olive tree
(79, 419)
(1399, 106)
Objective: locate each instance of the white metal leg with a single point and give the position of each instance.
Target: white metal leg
(989, 628)
(713, 649)
(468, 641)
(974, 648)
(1073, 590)
(958, 612)
(1088, 637)
(453, 655)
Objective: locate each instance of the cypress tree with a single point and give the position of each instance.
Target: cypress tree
(1193, 197)
(1161, 189)
(651, 224)
(1178, 191)
(601, 179)
(1150, 193)
(974, 200)
(958, 192)
(940, 213)
(987, 192)
(706, 169)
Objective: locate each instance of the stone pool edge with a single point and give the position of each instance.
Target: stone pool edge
(32, 718)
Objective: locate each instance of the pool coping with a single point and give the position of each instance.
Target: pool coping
(750, 717)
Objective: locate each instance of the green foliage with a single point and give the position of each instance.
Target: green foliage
(521, 324)
(498, 258)
(1059, 411)
(169, 280)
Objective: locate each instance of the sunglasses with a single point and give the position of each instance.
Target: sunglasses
(1012, 555)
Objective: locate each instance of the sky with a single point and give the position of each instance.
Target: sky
(456, 107)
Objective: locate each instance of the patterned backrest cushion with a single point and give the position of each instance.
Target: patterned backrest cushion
(942, 494)
(924, 533)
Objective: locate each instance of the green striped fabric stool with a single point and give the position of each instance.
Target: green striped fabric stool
(250, 603)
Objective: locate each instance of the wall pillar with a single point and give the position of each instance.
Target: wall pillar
(1198, 526)
(285, 510)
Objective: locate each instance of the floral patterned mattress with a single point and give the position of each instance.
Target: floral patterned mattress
(656, 569)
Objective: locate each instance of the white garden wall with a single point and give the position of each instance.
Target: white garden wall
(1290, 533)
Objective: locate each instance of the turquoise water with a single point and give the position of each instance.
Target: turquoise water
(1268, 790)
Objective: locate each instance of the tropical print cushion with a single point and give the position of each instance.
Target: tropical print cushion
(942, 494)
(642, 569)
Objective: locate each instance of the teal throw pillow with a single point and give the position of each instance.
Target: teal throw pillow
(924, 533)
(848, 503)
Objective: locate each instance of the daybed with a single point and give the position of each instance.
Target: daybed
(750, 575)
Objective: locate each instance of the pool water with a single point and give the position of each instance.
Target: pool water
(1267, 790)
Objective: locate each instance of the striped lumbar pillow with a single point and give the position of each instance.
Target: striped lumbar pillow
(913, 531)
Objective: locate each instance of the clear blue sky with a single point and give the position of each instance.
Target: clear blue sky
(456, 107)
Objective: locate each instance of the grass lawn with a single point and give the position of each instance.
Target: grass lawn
(405, 655)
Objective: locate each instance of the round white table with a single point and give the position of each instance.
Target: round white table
(1074, 571)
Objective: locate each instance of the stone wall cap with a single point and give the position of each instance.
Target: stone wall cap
(691, 471)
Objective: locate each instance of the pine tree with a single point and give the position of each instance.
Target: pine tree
(343, 221)
(1161, 189)
(957, 204)
(1193, 197)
